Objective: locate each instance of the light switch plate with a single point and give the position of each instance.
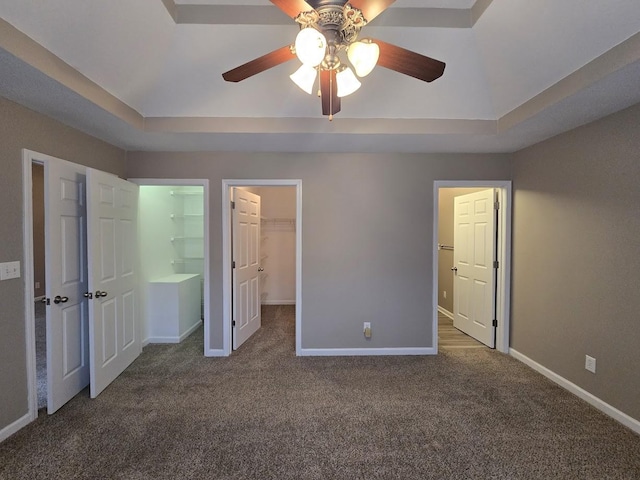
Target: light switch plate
(9, 270)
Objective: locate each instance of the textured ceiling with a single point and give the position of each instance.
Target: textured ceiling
(146, 74)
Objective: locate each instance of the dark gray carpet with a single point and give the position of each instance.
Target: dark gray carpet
(41, 353)
(265, 414)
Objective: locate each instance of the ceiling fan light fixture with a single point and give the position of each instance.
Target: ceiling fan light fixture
(305, 77)
(347, 82)
(311, 46)
(363, 55)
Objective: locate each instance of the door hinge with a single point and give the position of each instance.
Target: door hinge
(496, 205)
(233, 264)
(233, 324)
(233, 205)
(495, 322)
(496, 264)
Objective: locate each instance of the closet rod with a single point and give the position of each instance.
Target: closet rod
(444, 247)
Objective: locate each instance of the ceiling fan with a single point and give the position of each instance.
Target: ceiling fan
(327, 30)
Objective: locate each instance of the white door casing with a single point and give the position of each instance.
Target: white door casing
(246, 258)
(114, 331)
(473, 259)
(66, 282)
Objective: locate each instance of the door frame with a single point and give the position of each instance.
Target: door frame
(227, 277)
(193, 182)
(29, 157)
(503, 280)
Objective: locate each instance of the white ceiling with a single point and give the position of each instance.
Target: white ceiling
(523, 72)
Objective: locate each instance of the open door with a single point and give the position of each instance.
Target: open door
(246, 319)
(474, 265)
(114, 332)
(66, 282)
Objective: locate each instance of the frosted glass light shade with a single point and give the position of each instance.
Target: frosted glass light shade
(347, 82)
(311, 46)
(305, 77)
(363, 56)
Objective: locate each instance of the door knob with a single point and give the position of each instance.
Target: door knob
(454, 269)
(260, 269)
(100, 294)
(59, 299)
(88, 295)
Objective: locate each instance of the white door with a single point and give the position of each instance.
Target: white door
(246, 318)
(66, 282)
(473, 265)
(114, 332)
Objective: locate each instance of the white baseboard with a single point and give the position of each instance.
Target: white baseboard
(344, 352)
(191, 329)
(174, 339)
(215, 353)
(601, 405)
(279, 302)
(12, 428)
(445, 312)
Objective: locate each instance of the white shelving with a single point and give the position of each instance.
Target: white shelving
(188, 234)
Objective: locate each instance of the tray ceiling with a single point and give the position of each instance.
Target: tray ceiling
(147, 74)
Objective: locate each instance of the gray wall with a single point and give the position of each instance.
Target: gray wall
(576, 261)
(367, 235)
(22, 128)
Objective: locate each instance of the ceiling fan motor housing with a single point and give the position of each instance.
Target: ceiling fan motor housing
(339, 22)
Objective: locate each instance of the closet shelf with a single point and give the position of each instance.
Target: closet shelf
(182, 261)
(278, 224)
(178, 193)
(176, 216)
(176, 239)
(278, 221)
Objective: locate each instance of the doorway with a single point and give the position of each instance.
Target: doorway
(443, 256)
(275, 222)
(174, 244)
(39, 287)
(90, 278)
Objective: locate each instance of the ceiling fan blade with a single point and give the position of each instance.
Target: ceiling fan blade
(258, 65)
(409, 63)
(371, 8)
(329, 92)
(292, 7)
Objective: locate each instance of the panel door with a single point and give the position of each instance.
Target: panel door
(66, 282)
(473, 259)
(114, 329)
(246, 257)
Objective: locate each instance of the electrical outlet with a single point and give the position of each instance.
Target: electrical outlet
(367, 329)
(9, 270)
(444, 294)
(590, 363)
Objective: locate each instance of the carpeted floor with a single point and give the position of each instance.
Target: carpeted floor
(265, 414)
(41, 353)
